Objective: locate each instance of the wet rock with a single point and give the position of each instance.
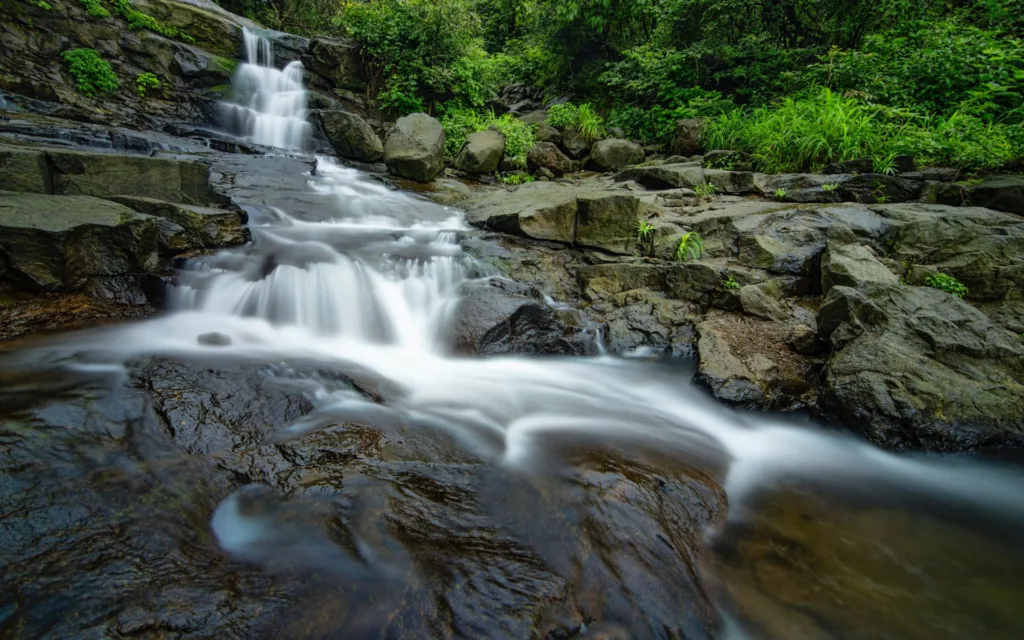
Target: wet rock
(447, 192)
(851, 265)
(336, 61)
(414, 148)
(642, 318)
(688, 281)
(546, 133)
(764, 301)
(24, 170)
(351, 136)
(615, 154)
(214, 339)
(200, 227)
(55, 243)
(503, 317)
(804, 340)
(546, 155)
(482, 152)
(738, 183)
(915, 368)
(687, 139)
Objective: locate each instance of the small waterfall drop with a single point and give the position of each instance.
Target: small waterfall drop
(269, 104)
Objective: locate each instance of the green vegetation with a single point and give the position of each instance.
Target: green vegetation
(946, 283)
(96, 8)
(645, 235)
(92, 73)
(459, 122)
(730, 284)
(705, 190)
(145, 82)
(780, 194)
(582, 119)
(512, 179)
(795, 83)
(691, 247)
(45, 6)
(139, 20)
(829, 187)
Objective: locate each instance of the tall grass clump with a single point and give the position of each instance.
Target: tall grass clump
(582, 119)
(821, 127)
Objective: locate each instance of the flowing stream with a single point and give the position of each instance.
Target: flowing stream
(367, 285)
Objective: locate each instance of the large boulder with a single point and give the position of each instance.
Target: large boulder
(916, 368)
(615, 154)
(665, 176)
(575, 144)
(53, 243)
(414, 148)
(999, 192)
(546, 155)
(188, 227)
(500, 316)
(688, 137)
(482, 152)
(546, 133)
(351, 136)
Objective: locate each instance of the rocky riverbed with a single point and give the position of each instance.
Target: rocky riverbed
(348, 404)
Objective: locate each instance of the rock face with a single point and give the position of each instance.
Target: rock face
(482, 153)
(615, 154)
(351, 136)
(999, 192)
(546, 155)
(851, 266)
(502, 317)
(687, 140)
(665, 176)
(414, 148)
(76, 173)
(336, 62)
(915, 368)
(575, 144)
(52, 243)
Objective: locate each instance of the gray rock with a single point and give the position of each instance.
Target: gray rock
(482, 153)
(999, 192)
(851, 265)
(414, 148)
(725, 375)
(337, 61)
(615, 154)
(54, 243)
(546, 133)
(575, 145)
(195, 227)
(546, 155)
(664, 176)
(500, 317)
(764, 301)
(351, 136)
(687, 140)
(915, 368)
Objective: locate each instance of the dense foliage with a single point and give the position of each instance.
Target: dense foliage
(459, 122)
(92, 73)
(782, 79)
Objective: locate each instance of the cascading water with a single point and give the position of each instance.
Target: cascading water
(269, 104)
(362, 283)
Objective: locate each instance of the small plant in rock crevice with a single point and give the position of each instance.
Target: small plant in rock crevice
(95, 8)
(691, 247)
(885, 165)
(730, 284)
(705, 190)
(780, 194)
(830, 187)
(645, 235)
(513, 179)
(947, 283)
(145, 82)
(92, 73)
(44, 5)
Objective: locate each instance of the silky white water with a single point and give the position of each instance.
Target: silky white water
(268, 106)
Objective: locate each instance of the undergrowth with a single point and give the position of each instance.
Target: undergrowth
(92, 73)
(459, 122)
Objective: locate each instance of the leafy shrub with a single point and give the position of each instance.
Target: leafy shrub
(947, 283)
(691, 247)
(92, 73)
(512, 179)
(730, 284)
(146, 81)
(705, 190)
(95, 8)
(459, 122)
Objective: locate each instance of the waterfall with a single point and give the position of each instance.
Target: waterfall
(269, 104)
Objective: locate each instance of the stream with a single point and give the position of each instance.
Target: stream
(349, 477)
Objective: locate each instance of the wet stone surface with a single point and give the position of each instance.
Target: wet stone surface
(107, 493)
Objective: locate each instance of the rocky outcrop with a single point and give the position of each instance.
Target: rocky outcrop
(500, 316)
(414, 148)
(915, 368)
(665, 176)
(334, 63)
(614, 154)
(999, 192)
(351, 136)
(851, 265)
(482, 153)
